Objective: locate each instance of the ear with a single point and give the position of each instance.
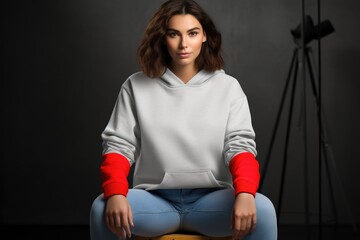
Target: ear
(204, 37)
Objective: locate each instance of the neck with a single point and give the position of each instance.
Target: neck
(184, 73)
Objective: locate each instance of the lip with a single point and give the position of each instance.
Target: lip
(184, 54)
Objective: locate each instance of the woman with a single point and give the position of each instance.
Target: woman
(186, 126)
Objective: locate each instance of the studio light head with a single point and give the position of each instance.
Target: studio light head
(312, 32)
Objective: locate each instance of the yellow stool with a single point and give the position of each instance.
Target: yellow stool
(182, 237)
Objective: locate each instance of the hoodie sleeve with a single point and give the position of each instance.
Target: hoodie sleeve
(120, 141)
(240, 147)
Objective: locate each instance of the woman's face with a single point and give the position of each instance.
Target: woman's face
(184, 39)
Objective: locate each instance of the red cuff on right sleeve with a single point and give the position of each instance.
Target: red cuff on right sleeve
(114, 169)
(244, 169)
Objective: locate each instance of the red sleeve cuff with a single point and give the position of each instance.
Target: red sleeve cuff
(245, 173)
(114, 169)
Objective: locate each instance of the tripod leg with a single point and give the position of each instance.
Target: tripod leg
(303, 122)
(287, 140)
(264, 171)
(332, 194)
(328, 153)
(305, 138)
(322, 147)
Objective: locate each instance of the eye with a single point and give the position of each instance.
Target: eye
(193, 33)
(172, 34)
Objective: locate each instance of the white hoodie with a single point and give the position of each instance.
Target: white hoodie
(180, 135)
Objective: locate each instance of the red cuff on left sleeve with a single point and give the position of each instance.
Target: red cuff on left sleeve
(115, 169)
(245, 173)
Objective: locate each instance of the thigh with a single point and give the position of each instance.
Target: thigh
(152, 215)
(211, 214)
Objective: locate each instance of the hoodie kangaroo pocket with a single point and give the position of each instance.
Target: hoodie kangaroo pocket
(189, 179)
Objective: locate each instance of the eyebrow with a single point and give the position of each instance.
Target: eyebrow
(190, 30)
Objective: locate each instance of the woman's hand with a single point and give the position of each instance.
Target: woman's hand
(119, 216)
(244, 215)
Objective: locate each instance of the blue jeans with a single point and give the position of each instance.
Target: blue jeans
(205, 211)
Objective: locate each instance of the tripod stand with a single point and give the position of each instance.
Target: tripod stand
(325, 146)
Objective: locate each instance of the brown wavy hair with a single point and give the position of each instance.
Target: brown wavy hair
(152, 54)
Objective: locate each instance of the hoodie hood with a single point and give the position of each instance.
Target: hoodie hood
(171, 80)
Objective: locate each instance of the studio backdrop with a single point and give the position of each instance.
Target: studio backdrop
(65, 62)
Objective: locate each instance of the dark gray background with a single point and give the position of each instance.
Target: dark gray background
(66, 60)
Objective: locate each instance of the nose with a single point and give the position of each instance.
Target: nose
(183, 43)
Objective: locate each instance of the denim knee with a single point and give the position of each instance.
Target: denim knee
(265, 209)
(97, 208)
(266, 227)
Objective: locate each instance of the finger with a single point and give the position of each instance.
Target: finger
(117, 220)
(113, 228)
(233, 227)
(236, 228)
(115, 224)
(131, 217)
(254, 222)
(110, 222)
(111, 225)
(125, 224)
(244, 224)
(115, 231)
(119, 230)
(244, 229)
(248, 225)
(121, 233)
